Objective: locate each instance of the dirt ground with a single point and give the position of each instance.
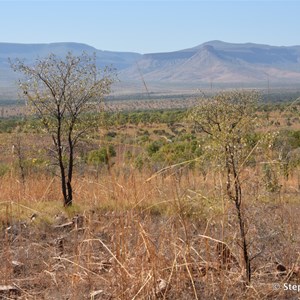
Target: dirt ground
(137, 255)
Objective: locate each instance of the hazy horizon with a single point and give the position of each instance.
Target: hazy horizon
(149, 26)
(121, 50)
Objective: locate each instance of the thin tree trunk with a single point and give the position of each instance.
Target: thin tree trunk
(238, 201)
(58, 144)
(70, 170)
(244, 245)
(237, 198)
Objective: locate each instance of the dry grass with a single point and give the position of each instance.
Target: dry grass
(133, 238)
(139, 235)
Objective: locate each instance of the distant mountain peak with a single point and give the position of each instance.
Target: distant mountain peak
(222, 62)
(214, 61)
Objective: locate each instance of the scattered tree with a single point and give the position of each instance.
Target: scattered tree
(227, 119)
(61, 92)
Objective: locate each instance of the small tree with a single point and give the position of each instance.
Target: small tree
(227, 119)
(61, 92)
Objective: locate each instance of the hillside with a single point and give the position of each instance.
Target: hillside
(212, 63)
(222, 62)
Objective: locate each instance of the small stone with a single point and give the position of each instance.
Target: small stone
(18, 267)
(161, 287)
(96, 294)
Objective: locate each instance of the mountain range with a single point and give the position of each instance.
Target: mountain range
(214, 63)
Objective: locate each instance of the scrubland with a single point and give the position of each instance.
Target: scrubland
(151, 219)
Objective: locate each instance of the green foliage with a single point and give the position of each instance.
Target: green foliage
(64, 93)
(143, 139)
(139, 162)
(226, 119)
(10, 124)
(101, 156)
(286, 145)
(143, 117)
(33, 165)
(4, 168)
(270, 178)
(179, 151)
(153, 147)
(294, 138)
(128, 155)
(165, 152)
(111, 134)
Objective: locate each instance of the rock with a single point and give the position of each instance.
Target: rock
(18, 267)
(161, 287)
(95, 294)
(33, 217)
(78, 221)
(67, 225)
(60, 219)
(9, 292)
(281, 269)
(16, 228)
(99, 294)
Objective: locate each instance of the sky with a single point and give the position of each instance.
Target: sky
(150, 26)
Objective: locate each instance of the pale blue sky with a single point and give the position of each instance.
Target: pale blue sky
(150, 26)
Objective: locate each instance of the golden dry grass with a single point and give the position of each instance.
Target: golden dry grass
(144, 235)
(145, 239)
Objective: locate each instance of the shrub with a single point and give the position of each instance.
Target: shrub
(101, 156)
(4, 168)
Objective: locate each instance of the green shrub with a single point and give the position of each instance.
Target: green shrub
(139, 162)
(101, 156)
(4, 168)
(111, 134)
(154, 147)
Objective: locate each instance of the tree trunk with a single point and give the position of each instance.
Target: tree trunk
(244, 245)
(64, 184)
(69, 199)
(236, 197)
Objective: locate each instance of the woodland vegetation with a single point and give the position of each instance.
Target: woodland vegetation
(197, 203)
(151, 216)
